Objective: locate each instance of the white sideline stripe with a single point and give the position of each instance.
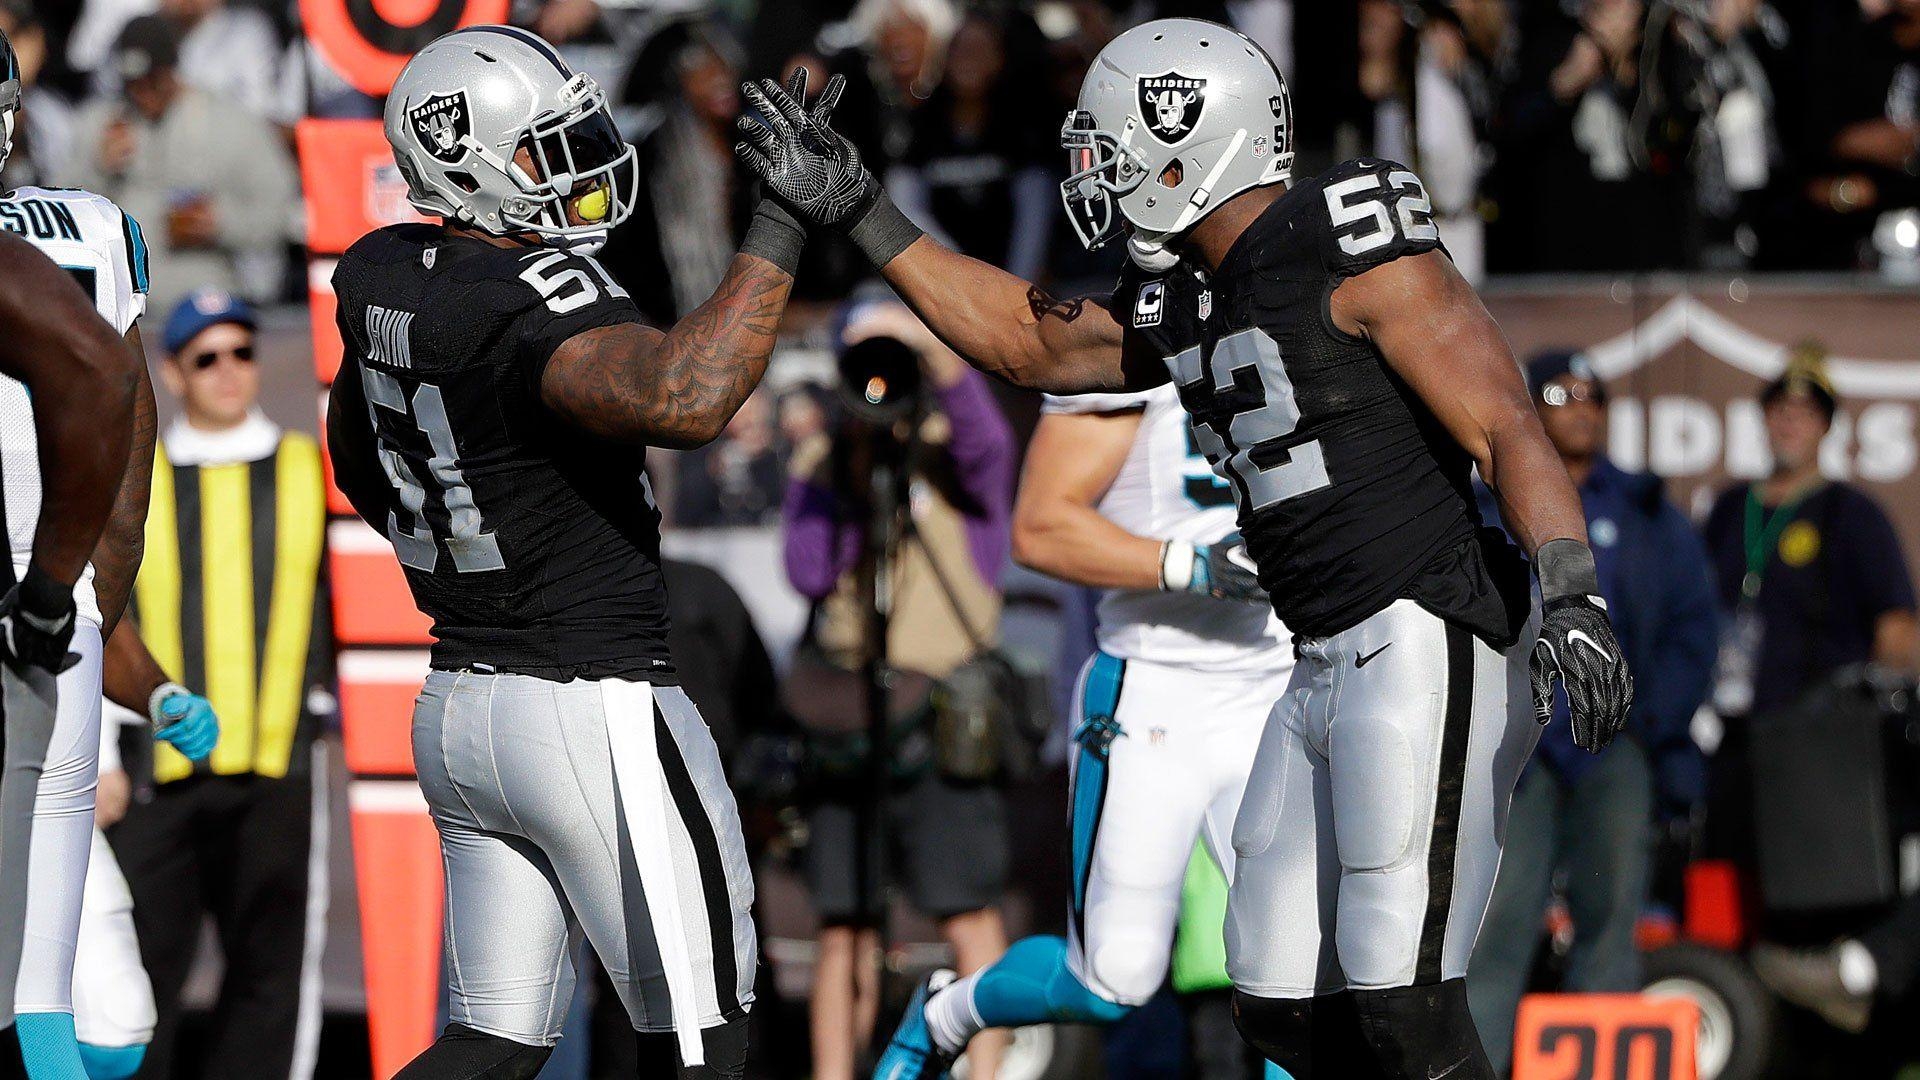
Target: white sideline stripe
(306, 1031)
(384, 665)
(385, 797)
(645, 804)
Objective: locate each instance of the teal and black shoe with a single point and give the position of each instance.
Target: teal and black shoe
(911, 1053)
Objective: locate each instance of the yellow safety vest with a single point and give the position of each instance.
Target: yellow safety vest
(226, 599)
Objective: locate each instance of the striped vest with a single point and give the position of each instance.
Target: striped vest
(228, 600)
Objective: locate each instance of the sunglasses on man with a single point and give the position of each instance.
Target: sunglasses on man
(201, 361)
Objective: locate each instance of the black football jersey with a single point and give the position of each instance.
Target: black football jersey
(534, 548)
(1351, 494)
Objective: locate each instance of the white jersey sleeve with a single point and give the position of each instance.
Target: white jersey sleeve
(101, 246)
(92, 239)
(1165, 490)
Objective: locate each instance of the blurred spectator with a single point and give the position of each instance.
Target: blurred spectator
(1449, 68)
(231, 598)
(1846, 982)
(906, 41)
(949, 834)
(1570, 150)
(1574, 812)
(212, 182)
(735, 479)
(1811, 578)
(1852, 126)
(694, 199)
(977, 169)
(231, 51)
(43, 131)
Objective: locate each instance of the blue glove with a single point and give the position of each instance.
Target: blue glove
(184, 720)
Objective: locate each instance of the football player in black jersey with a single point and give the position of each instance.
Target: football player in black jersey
(489, 416)
(83, 382)
(1345, 380)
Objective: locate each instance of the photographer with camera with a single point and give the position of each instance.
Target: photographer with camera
(898, 518)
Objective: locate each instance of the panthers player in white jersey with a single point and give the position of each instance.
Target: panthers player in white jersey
(1167, 715)
(101, 247)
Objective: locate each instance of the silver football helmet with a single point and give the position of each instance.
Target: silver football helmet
(9, 96)
(1176, 116)
(491, 128)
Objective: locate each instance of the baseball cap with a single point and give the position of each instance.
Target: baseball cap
(148, 44)
(1550, 364)
(204, 308)
(1806, 376)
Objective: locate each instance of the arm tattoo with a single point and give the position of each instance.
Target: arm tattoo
(116, 558)
(1044, 304)
(677, 390)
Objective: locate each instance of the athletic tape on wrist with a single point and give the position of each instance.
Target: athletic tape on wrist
(1176, 565)
(774, 235)
(1566, 569)
(160, 694)
(881, 231)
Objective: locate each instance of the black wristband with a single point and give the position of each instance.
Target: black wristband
(880, 230)
(1566, 569)
(775, 235)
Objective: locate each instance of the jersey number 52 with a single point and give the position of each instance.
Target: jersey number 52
(1242, 404)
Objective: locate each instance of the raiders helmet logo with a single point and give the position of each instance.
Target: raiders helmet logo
(440, 124)
(1171, 104)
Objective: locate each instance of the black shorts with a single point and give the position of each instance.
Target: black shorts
(946, 843)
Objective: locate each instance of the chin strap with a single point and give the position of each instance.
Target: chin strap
(1150, 252)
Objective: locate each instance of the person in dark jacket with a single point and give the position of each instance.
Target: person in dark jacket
(1591, 815)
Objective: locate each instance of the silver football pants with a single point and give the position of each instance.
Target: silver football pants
(1370, 831)
(584, 806)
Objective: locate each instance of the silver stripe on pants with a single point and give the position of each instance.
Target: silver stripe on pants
(589, 806)
(1370, 830)
(29, 706)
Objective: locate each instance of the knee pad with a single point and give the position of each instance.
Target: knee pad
(112, 1062)
(1421, 1031)
(1127, 970)
(1315, 1038)
(462, 1053)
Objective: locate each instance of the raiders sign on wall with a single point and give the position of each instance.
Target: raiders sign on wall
(1684, 365)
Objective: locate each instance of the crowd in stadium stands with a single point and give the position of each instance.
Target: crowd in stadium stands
(1730, 134)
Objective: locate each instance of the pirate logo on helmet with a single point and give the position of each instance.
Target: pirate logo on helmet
(441, 124)
(1171, 104)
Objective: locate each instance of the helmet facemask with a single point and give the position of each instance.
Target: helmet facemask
(579, 165)
(1102, 167)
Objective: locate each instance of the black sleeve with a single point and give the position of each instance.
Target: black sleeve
(567, 295)
(1369, 212)
(350, 440)
(1877, 564)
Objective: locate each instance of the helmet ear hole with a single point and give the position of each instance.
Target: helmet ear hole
(464, 181)
(1171, 176)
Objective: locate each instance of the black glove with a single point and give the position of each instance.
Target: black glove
(816, 171)
(1222, 570)
(811, 167)
(36, 624)
(1577, 647)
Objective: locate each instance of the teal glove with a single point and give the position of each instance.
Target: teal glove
(183, 720)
